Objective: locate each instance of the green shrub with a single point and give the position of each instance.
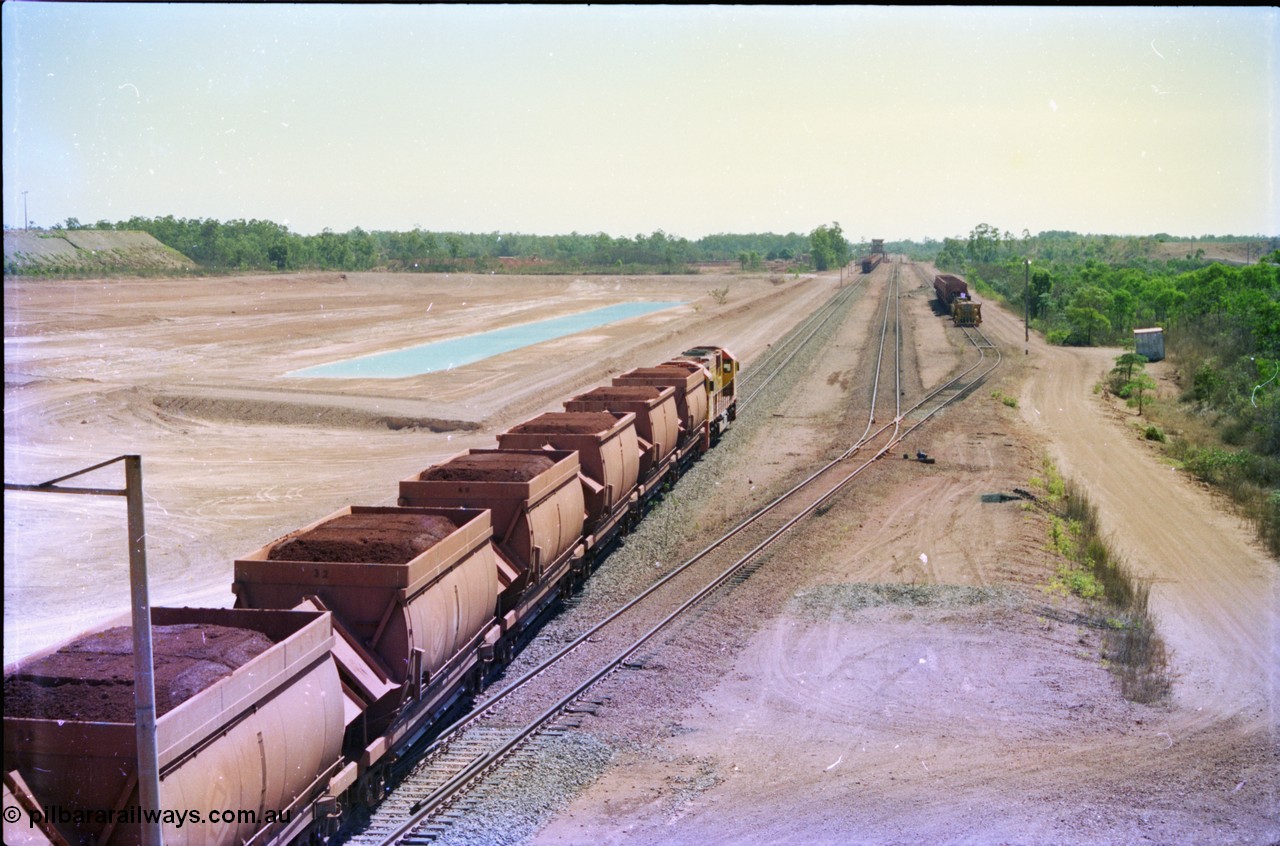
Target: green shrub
(1058, 337)
(1132, 650)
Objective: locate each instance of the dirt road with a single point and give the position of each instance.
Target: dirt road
(1213, 587)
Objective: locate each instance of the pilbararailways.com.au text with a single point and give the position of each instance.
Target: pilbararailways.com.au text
(135, 815)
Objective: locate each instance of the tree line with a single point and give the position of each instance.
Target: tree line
(265, 245)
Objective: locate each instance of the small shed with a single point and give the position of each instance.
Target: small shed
(1149, 343)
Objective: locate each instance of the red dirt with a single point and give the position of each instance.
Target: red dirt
(625, 394)
(897, 673)
(770, 726)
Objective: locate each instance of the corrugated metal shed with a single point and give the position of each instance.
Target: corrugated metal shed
(1149, 342)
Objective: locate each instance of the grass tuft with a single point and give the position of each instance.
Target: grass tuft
(1132, 648)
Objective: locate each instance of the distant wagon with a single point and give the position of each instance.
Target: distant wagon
(950, 288)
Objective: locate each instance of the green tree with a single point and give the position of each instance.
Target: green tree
(1128, 362)
(984, 243)
(828, 247)
(1122, 373)
(278, 254)
(1041, 286)
(1137, 387)
(1087, 322)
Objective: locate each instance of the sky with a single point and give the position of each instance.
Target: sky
(895, 122)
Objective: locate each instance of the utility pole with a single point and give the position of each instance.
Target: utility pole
(1026, 311)
(26, 221)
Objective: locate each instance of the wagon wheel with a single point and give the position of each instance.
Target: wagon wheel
(374, 786)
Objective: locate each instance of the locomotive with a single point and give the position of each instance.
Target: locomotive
(953, 295)
(353, 636)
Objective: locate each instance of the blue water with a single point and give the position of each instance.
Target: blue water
(455, 352)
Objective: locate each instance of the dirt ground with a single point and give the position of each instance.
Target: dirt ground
(898, 674)
(894, 674)
(192, 375)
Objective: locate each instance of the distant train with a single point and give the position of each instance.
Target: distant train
(871, 262)
(953, 295)
(352, 636)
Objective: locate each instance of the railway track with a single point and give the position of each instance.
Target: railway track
(451, 773)
(760, 374)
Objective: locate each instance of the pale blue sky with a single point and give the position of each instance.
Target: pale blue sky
(896, 122)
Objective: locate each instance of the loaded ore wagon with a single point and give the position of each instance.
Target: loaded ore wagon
(608, 452)
(249, 716)
(657, 422)
(413, 592)
(353, 636)
(690, 383)
(953, 295)
(537, 508)
(950, 288)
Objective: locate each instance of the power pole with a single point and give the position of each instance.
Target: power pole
(26, 221)
(1026, 310)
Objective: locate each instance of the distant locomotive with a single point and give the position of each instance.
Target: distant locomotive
(352, 636)
(953, 295)
(871, 262)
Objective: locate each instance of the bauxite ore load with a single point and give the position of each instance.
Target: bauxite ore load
(91, 679)
(373, 538)
(657, 418)
(265, 734)
(485, 465)
(354, 635)
(537, 509)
